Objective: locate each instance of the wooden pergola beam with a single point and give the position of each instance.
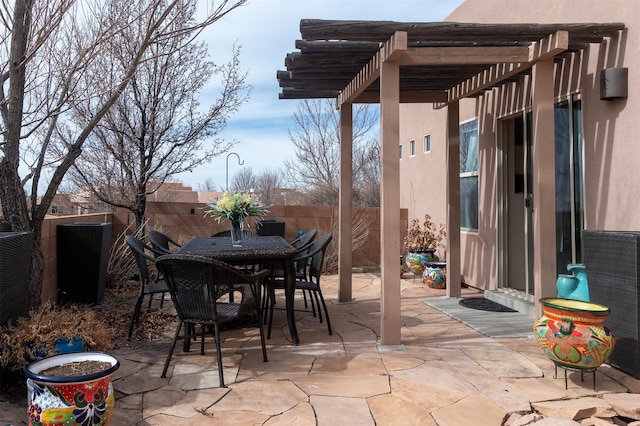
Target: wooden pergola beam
(391, 50)
(464, 55)
(546, 48)
(406, 97)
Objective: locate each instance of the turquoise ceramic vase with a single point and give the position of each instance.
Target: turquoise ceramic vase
(566, 285)
(581, 292)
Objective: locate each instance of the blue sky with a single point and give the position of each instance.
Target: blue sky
(266, 30)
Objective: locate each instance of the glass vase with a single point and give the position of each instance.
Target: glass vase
(236, 232)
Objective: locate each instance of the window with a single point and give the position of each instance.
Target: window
(412, 148)
(401, 152)
(56, 209)
(426, 144)
(469, 175)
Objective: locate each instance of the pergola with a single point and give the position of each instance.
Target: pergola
(441, 63)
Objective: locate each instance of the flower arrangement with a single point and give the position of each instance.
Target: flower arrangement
(428, 236)
(235, 207)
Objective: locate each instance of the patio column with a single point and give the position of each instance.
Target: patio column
(390, 202)
(454, 284)
(345, 224)
(544, 183)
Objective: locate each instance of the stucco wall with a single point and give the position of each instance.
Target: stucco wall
(183, 221)
(610, 128)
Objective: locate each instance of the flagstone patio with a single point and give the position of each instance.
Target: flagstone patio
(444, 373)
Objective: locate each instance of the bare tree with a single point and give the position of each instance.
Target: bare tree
(155, 129)
(243, 180)
(269, 186)
(47, 48)
(207, 186)
(316, 137)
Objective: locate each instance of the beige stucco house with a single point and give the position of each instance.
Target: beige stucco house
(505, 131)
(593, 148)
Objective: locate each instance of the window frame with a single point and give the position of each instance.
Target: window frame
(473, 173)
(426, 144)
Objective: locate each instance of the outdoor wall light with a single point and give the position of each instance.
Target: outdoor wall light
(613, 83)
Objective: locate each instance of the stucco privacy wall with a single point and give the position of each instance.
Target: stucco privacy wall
(610, 128)
(183, 221)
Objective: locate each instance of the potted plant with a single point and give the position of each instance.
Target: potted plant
(73, 389)
(52, 330)
(235, 207)
(421, 243)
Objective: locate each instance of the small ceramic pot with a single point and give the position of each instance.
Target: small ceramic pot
(416, 261)
(70, 400)
(435, 275)
(572, 333)
(566, 284)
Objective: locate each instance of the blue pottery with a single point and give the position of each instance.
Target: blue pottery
(62, 346)
(566, 285)
(581, 292)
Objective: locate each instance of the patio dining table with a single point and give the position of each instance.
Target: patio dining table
(272, 250)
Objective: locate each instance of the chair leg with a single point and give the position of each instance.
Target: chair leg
(271, 308)
(202, 341)
(326, 312)
(263, 343)
(314, 294)
(313, 307)
(136, 314)
(219, 355)
(173, 346)
(268, 299)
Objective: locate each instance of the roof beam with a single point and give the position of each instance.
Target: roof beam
(547, 47)
(464, 55)
(391, 50)
(406, 97)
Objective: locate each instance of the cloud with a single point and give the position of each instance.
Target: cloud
(266, 30)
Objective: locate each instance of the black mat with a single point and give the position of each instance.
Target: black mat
(482, 304)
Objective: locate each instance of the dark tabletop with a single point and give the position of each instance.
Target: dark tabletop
(254, 248)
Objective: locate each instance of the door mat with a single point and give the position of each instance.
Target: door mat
(482, 304)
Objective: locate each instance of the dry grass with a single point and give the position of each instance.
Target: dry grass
(35, 336)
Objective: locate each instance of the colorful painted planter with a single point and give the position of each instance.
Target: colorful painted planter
(75, 400)
(572, 333)
(435, 275)
(417, 261)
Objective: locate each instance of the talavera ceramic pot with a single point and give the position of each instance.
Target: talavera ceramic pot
(87, 399)
(417, 261)
(435, 275)
(572, 333)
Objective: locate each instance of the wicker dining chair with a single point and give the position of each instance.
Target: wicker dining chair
(144, 254)
(302, 245)
(200, 288)
(312, 260)
(162, 242)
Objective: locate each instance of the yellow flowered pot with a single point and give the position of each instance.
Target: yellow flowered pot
(572, 332)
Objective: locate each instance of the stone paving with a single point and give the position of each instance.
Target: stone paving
(444, 373)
